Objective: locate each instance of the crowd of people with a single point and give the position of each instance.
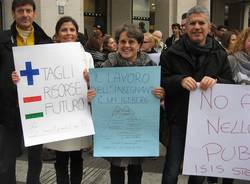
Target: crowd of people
(197, 52)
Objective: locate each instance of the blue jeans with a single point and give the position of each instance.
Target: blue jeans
(174, 157)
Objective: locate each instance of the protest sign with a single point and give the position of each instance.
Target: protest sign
(218, 131)
(52, 92)
(125, 112)
(155, 57)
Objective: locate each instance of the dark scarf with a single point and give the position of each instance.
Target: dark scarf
(116, 60)
(196, 49)
(197, 53)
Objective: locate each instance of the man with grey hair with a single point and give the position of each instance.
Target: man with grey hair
(196, 58)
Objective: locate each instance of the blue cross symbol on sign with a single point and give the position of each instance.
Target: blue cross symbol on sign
(29, 72)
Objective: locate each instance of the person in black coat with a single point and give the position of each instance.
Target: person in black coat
(23, 32)
(196, 57)
(176, 29)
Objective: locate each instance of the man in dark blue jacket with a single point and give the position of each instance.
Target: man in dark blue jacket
(196, 57)
(24, 31)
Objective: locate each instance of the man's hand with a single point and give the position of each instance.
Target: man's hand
(189, 83)
(15, 77)
(207, 82)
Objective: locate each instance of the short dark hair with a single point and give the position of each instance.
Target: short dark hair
(63, 20)
(219, 27)
(183, 16)
(17, 3)
(176, 25)
(132, 31)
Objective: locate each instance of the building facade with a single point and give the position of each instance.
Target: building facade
(156, 14)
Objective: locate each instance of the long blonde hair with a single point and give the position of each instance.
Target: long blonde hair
(241, 39)
(153, 39)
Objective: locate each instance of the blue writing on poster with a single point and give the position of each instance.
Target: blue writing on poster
(125, 112)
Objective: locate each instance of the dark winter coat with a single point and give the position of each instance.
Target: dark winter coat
(8, 93)
(177, 63)
(170, 41)
(10, 124)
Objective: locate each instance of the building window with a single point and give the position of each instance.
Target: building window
(95, 14)
(144, 13)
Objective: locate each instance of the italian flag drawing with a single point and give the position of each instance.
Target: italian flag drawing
(52, 93)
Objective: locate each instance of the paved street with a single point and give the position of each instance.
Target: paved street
(96, 171)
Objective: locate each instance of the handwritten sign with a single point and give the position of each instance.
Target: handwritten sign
(218, 132)
(52, 92)
(125, 112)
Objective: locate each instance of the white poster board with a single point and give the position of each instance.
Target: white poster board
(52, 93)
(218, 132)
(155, 57)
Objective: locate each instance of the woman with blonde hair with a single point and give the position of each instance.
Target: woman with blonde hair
(149, 43)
